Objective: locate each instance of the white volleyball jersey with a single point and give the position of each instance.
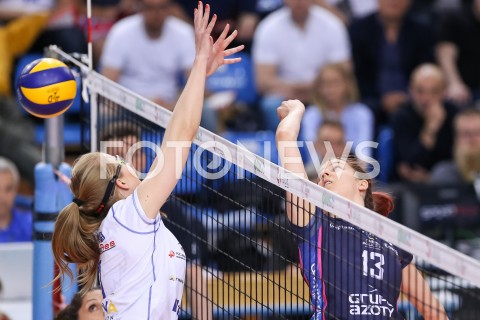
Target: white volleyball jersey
(142, 265)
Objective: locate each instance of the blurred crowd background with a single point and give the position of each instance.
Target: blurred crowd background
(403, 73)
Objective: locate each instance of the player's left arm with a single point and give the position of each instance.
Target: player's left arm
(418, 292)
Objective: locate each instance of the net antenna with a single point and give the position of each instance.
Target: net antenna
(89, 35)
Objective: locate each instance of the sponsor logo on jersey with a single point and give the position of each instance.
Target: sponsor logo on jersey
(110, 308)
(340, 227)
(106, 246)
(370, 304)
(391, 247)
(176, 254)
(100, 237)
(173, 278)
(315, 292)
(176, 306)
(180, 255)
(370, 241)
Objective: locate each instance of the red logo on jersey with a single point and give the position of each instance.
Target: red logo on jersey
(171, 254)
(106, 246)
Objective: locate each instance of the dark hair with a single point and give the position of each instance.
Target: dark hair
(3, 316)
(380, 202)
(118, 129)
(71, 311)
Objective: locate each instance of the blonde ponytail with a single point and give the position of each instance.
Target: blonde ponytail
(75, 235)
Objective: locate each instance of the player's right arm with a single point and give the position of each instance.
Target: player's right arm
(299, 211)
(182, 128)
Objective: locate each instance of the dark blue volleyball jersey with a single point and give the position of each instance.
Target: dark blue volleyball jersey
(351, 273)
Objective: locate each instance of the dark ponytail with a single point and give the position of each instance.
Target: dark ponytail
(382, 203)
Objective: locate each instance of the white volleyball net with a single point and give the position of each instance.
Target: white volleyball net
(229, 213)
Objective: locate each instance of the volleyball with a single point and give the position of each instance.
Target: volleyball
(46, 88)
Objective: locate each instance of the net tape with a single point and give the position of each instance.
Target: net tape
(410, 240)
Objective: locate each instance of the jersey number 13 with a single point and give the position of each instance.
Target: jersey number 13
(373, 264)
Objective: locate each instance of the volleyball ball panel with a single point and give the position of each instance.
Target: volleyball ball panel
(46, 88)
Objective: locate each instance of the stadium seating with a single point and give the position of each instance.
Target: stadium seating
(237, 77)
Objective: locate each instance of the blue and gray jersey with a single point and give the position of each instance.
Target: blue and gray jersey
(351, 273)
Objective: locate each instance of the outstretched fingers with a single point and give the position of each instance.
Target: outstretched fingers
(230, 38)
(205, 17)
(222, 36)
(231, 51)
(198, 14)
(210, 26)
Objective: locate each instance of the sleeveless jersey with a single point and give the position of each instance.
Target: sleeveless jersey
(351, 273)
(142, 265)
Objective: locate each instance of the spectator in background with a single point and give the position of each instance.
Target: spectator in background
(16, 38)
(17, 141)
(25, 25)
(149, 52)
(15, 224)
(104, 15)
(13, 9)
(458, 52)
(335, 97)
(386, 48)
(290, 47)
(465, 167)
(423, 129)
(62, 29)
(240, 14)
(127, 135)
(329, 143)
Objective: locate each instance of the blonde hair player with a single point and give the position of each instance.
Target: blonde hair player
(350, 273)
(113, 225)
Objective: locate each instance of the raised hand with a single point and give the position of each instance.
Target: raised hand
(290, 113)
(220, 51)
(291, 107)
(215, 52)
(203, 29)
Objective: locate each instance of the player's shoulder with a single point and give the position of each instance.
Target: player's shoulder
(128, 215)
